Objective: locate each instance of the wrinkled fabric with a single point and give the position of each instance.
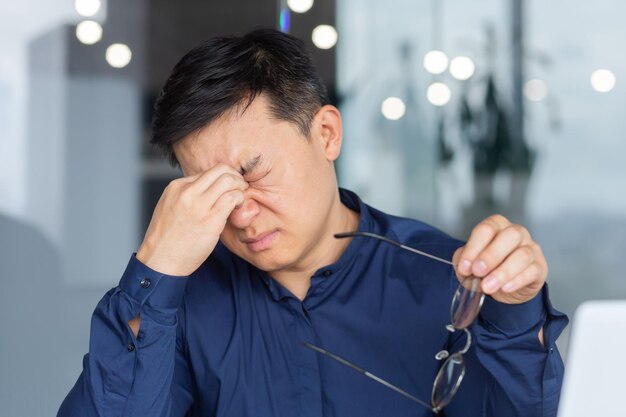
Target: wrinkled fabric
(227, 341)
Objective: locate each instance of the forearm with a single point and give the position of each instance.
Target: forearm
(129, 372)
(518, 350)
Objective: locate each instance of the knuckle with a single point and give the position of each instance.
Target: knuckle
(184, 187)
(534, 246)
(223, 202)
(523, 230)
(485, 228)
(489, 257)
(517, 231)
(227, 180)
(172, 186)
(185, 195)
(168, 191)
(222, 165)
(233, 198)
(527, 254)
(534, 271)
(185, 198)
(177, 187)
(224, 169)
(501, 275)
(498, 218)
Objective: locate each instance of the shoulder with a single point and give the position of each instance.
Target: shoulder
(415, 233)
(419, 274)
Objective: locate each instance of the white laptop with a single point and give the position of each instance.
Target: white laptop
(595, 368)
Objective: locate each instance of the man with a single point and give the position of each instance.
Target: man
(239, 267)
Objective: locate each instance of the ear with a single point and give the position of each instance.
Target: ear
(326, 127)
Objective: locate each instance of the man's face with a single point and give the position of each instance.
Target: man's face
(292, 183)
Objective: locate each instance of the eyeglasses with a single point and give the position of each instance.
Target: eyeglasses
(466, 304)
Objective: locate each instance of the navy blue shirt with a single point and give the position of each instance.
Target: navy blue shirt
(227, 341)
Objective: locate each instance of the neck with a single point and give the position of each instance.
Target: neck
(327, 251)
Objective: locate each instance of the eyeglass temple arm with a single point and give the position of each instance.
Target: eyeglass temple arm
(392, 242)
(366, 373)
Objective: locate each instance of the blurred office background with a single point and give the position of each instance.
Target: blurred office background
(453, 110)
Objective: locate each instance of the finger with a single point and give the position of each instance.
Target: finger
(226, 203)
(188, 178)
(530, 275)
(457, 255)
(223, 184)
(480, 237)
(512, 266)
(502, 245)
(192, 178)
(205, 179)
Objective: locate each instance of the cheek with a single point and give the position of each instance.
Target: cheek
(283, 207)
(306, 213)
(268, 197)
(293, 197)
(227, 236)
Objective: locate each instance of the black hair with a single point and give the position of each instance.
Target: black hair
(230, 71)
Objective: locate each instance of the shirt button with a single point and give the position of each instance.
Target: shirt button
(145, 283)
(328, 273)
(130, 347)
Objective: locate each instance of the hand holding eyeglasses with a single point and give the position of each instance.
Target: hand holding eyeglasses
(510, 263)
(464, 309)
(501, 259)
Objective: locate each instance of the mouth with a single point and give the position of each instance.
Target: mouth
(261, 242)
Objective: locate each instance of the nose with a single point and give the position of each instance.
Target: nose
(242, 216)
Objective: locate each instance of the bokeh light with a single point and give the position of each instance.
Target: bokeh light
(603, 80)
(438, 94)
(118, 55)
(87, 8)
(462, 68)
(300, 6)
(436, 62)
(535, 90)
(89, 32)
(324, 36)
(393, 108)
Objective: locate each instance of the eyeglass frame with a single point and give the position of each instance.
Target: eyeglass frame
(441, 355)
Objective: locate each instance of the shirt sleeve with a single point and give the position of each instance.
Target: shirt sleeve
(124, 375)
(509, 372)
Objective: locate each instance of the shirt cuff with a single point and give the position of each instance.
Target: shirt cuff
(149, 287)
(515, 317)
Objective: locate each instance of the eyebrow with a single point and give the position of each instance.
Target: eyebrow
(250, 165)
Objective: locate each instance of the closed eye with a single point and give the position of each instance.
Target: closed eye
(260, 178)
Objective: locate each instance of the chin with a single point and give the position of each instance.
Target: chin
(267, 260)
(266, 263)
(271, 259)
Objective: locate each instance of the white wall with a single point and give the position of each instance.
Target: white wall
(19, 23)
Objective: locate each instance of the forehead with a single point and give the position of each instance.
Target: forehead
(234, 138)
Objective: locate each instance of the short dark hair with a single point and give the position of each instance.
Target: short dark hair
(230, 71)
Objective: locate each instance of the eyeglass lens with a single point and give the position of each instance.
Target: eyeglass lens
(466, 304)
